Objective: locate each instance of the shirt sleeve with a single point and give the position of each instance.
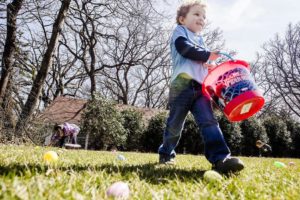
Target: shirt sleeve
(67, 129)
(191, 51)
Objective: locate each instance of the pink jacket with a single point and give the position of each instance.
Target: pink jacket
(70, 129)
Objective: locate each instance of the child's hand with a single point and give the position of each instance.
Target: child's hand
(209, 66)
(214, 55)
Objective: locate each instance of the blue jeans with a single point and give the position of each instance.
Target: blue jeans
(186, 95)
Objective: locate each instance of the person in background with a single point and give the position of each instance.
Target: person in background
(264, 148)
(191, 61)
(64, 133)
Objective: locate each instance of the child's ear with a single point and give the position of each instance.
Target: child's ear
(181, 20)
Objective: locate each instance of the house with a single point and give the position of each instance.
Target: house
(68, 109)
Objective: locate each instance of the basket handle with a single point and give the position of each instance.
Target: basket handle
(226, 55)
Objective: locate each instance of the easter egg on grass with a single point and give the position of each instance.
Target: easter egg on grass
(121, 157)
(50, 156)
(279, 164)
(212, 176)
(119, 190)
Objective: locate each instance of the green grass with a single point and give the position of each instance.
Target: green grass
(81, 174)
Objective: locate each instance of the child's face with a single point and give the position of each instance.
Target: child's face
(195, 19)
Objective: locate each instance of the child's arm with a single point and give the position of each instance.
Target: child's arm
(190, 51)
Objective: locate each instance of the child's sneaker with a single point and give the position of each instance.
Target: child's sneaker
(228, 165)
(167, 160)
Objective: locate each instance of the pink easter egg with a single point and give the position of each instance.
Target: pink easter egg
(118, 189)
(291, 163)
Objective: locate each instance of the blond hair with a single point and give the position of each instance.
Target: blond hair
(184, 8)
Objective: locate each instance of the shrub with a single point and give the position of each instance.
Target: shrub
(231, 132)
(103, 123)
(280, 137)
(252, 130)
(37, 132)
(191, 140)
(294, 128)
(133, 124)
(153, 135)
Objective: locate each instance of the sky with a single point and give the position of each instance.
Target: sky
(248, 24)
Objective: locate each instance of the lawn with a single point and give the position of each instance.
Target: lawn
(80, 174)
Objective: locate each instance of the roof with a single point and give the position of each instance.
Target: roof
(147, 113)
(63, 109)
(68, 109)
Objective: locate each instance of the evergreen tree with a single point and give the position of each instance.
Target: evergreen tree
(103, 123)
(252, 130)
(280, 137)
(231, 132)
(153, 136)
(191, 140)
(294, 128)
(134, 127)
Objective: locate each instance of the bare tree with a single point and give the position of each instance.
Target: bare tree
(142, 63)
(213, 37)
(10, 45)
(136, 58)
(64, 78)
(31, 46)
(65, 74)
(89, 21)
(280, 71)
(42, 73)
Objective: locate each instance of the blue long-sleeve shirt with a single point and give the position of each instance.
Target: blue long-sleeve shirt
(188, 53)
(191, 51)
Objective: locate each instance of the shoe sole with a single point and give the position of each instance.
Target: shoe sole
(167, 163)
(230, 168)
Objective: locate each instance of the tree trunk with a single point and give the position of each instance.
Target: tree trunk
(92, 72)
(86, 141)
(10, 45)
(38, 83)
(7, 106)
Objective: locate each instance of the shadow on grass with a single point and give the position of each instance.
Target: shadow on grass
(151, 172)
